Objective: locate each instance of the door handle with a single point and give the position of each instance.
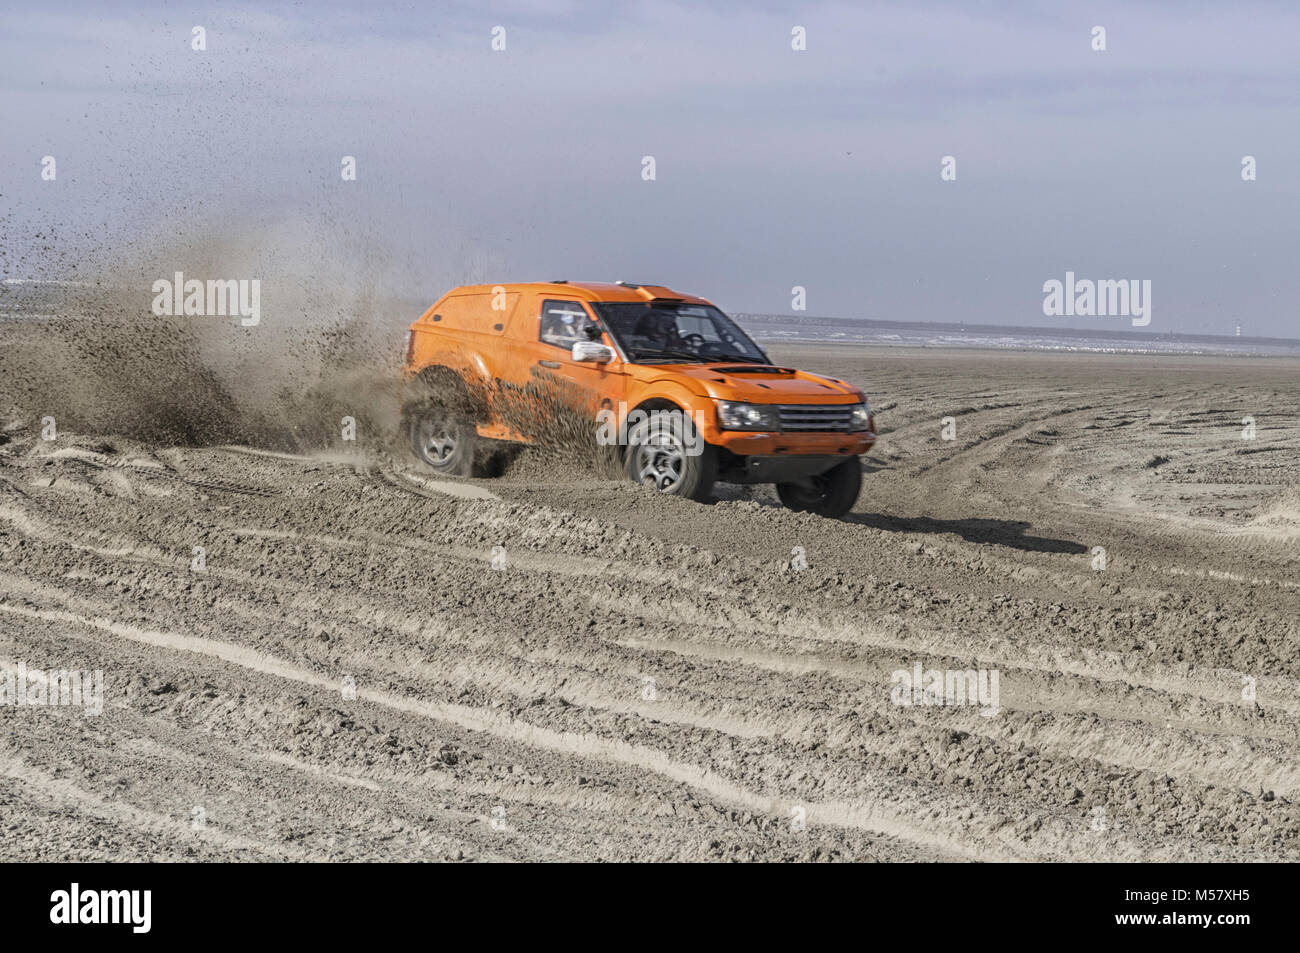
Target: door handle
(554, 364)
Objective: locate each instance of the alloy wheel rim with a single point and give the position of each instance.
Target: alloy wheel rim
(437, 441)
(659, 462)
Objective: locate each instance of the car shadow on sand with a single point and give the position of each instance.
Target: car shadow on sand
(1001, 532)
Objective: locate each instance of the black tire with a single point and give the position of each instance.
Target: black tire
(659, 455)
(831, 494)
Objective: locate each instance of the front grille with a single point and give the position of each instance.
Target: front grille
(824, 417)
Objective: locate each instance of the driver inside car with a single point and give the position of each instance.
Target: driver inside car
(660, 330)
(560, 326)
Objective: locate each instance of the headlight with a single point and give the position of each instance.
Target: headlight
(861, 418)
(733, 415)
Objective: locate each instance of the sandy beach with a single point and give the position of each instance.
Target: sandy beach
(372, 663)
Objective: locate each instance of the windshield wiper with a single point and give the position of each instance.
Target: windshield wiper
(739, 357)
(669, 352)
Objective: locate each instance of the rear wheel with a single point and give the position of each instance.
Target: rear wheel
(832, 493)
(438, 415)
(443, 440)
(676, 461)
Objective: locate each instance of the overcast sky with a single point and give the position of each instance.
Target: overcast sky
(774, 168)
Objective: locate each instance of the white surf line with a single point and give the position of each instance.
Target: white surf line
(834, 813)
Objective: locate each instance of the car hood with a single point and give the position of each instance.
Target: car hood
(765, 384)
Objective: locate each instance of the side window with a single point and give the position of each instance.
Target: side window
(562, 323)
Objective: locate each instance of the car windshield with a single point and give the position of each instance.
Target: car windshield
(668, 332)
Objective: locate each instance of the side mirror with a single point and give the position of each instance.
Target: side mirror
(592, 352)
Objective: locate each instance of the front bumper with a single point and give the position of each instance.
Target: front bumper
(745, 443)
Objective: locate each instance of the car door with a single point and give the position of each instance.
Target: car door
(588, 387)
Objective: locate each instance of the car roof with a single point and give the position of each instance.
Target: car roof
(586, 290)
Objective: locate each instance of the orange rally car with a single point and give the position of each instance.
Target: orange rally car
(686, 395)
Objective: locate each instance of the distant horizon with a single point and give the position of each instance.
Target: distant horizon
(418, 305)
(1128, 333)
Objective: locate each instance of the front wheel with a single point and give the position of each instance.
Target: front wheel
(666, 452)
(832, 493)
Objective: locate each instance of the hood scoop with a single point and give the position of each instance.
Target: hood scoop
(755, 369)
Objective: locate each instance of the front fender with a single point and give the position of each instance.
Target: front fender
(696, 403)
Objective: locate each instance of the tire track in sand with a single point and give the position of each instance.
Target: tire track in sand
(581, 744)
